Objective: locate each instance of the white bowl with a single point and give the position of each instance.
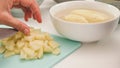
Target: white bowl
(19, 13)
(87, 32)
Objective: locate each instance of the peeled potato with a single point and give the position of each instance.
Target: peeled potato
(40, 52)
(56, 51)
(23, 55)
(8, 53)
(53, 44)
(40, 37)
(18, 36)
(17, 51)
(48, 37)
(36, 44)
(75, 18)
(29, 51)
(2, 49)
(29, 38)
(47, 49)
(29, 47)
(10, 45)
(19, 45)
(91, 15)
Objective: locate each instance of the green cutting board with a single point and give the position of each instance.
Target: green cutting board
(48, 61)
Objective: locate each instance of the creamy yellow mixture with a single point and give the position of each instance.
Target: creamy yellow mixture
(86, 16)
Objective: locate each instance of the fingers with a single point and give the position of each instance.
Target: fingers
(10, 21)
(28, 13)
(30, 8)
(36, 12)
(37, 17)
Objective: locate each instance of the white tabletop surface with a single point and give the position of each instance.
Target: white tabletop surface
(103, 54)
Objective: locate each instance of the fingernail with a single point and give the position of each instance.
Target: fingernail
(39, 20)
(27, 32)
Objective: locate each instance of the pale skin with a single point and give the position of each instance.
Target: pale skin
(30, 8)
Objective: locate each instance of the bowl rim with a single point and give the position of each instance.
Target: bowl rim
(107, 21)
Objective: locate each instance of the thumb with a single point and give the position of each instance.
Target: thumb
(8, 19)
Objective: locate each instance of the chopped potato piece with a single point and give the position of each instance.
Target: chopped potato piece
(56, 51)
(10, 45)
(48, 37)
(29, 51)
(53, 44)
(8, 53)
(36, 44)
(47, 49)
(40, 52)
(29, 38)
(18, 36)
(17, 51)
(20, 44)
(23, 55)
(2, 49)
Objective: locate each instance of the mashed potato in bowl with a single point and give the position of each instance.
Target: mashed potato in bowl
(86, 16)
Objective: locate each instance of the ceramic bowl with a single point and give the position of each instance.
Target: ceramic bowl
(84, 32)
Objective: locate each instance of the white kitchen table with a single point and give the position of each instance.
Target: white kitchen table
(102, 54)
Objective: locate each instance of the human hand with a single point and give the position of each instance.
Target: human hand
(30, 8)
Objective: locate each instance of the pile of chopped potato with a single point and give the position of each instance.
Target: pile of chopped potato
(29, 47)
